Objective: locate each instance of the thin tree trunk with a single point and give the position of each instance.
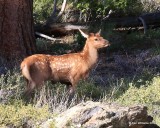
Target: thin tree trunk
(62, 8)
(53, 15)
(17, 38)
(53, 18)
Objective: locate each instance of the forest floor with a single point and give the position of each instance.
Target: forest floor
(123, 65)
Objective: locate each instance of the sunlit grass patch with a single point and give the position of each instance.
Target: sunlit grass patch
(18, 114)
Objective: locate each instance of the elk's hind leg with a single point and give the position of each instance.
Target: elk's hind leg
(29, 89)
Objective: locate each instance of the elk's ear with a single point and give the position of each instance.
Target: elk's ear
(83, 34)
(99, 32)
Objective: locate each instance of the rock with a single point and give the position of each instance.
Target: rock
(103, 115)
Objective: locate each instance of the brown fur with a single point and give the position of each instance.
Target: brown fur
(67, 68)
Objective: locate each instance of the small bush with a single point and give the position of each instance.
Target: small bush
(147, 94)
(42, 10)
(95, 10)
(17, 115)
(11, 86)
(91, 10)
(135, 40)
(42, 45)
(88, 90)
(54, 47)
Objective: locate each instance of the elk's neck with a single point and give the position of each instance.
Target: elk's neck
(90, 54)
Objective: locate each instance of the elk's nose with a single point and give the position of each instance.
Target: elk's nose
(107, 43)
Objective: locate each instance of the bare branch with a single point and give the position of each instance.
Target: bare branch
(109, 13)
(45, 36)
(144, 24)
(62, 8)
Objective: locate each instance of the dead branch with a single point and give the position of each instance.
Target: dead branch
(144, 24)
(47, 37)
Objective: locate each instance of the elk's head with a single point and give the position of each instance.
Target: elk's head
(95, 40)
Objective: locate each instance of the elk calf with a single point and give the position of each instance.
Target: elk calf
(67, 69)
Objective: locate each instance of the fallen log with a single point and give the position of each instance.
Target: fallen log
(149, 19)
(61, 29)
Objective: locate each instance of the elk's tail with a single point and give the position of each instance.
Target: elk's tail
(26, 71)
(30, 83)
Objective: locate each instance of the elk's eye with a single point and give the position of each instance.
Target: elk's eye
(96, 39)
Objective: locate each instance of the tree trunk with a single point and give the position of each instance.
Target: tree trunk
(17, 38)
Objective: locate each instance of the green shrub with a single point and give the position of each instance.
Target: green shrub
(153, 34)
(88, 90)
(42, 10)
(147, 94)
(94, 9)
(91, 10)
(54, 47)
(134, 40)
(42, 44)
(18, 114)
(12, 84)
(98, 9)
(80, 40)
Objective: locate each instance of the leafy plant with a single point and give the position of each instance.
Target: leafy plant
(42, 10)
(89, 90)
(99, 9)
(148, 94)
(90, 10)
(17, 114)
(150, 5)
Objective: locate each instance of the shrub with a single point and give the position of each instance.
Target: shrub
(42, 10)
(90, 10)
(88, 90)
(147, 94)
(93, 9)
(17, 115)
